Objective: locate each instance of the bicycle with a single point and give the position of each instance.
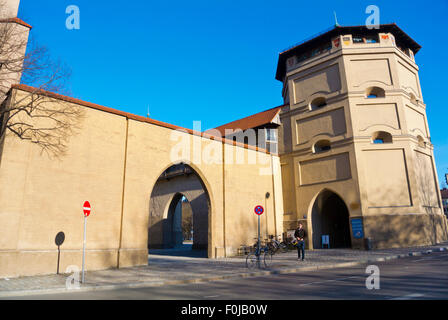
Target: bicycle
(291, 243)
(253, 259)
(275, 245)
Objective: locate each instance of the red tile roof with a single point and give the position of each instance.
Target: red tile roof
(16, 20)
(251, 122)
(132, 116)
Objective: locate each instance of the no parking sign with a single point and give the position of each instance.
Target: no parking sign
(259, 210)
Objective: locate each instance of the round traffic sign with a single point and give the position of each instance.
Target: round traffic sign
(87, 209)
(60, 238)
(259, 210)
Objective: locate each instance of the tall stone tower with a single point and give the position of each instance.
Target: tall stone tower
(14, 34)
(356, 152)
(9, 8)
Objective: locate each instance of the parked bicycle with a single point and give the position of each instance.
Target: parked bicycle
(261, 255)
(291, 243)
(276, 246)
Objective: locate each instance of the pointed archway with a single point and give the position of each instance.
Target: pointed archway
(330, 216)
(179, 195)
(178, 226)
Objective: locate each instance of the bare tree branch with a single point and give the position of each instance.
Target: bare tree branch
(33, 116)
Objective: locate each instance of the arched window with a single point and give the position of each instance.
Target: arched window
(413, 98)
(421, 142)
(322, 146)
(318, 103)
(375, 92)
(381, 137)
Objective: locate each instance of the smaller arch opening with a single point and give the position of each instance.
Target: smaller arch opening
(318, 103)
(381, 137)
(181, 219)
(330, 216)
(322, 146)
(375, 92)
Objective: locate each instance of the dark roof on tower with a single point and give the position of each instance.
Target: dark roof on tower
(401, 38)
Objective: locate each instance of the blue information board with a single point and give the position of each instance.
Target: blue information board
(357, 228)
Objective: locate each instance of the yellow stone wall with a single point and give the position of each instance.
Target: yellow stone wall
(113, 161)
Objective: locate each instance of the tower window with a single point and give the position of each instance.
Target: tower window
(271, 135)
(372, 39)
(421, 142)
(365, 39)
(381, 137)
(318, 103)
(315, 52)
(375, 92)
(413, 98)
(322, 146)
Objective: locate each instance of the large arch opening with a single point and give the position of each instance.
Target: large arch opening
(179, 214)
(330, 216)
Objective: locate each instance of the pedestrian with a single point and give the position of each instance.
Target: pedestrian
(300, 235)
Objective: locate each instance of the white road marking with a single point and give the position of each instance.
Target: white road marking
(326, 281)
(409, 296)
(436, 258)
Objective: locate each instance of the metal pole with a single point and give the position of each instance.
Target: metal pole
(258, 246)
(84, 249)
(59, 256)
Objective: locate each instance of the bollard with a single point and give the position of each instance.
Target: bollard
(368, 244)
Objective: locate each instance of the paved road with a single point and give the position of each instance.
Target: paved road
(423, 277)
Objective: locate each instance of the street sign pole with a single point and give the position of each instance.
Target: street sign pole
(84, 250)
(259, 210)
(258, 247)
(87, 209)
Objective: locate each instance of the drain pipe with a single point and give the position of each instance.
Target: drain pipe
(123, 190)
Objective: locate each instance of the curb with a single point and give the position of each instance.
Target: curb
(90, 288)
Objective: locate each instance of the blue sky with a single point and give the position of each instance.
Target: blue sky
(215, 61)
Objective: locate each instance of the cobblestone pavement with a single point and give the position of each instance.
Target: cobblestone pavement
(169, 269)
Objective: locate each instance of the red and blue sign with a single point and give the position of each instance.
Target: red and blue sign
(259, 210)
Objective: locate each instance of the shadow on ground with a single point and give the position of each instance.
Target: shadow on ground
(186, 250)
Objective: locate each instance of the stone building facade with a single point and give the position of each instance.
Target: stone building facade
(355, 147)
(349, 155)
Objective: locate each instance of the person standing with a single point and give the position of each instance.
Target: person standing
(300, 235)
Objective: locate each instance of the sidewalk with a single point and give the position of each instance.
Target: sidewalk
(169, 270)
